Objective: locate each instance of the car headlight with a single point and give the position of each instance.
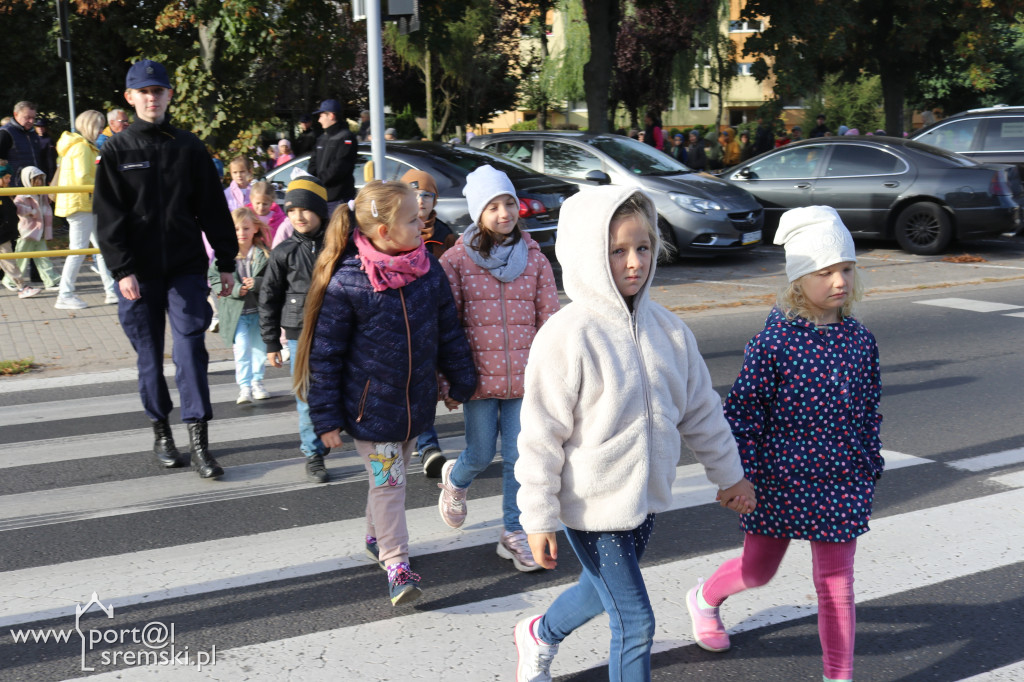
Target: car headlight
(695, 204)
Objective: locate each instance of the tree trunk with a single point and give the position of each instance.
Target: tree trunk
(894, 92)
(603, 21)
(430, 97)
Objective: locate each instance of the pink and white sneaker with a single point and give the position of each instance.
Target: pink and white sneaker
(708, 628)
(534, 664)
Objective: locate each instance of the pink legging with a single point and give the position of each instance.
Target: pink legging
(833, 581)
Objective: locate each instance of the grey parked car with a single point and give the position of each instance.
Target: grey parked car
(887, 187)
(990, 135)
(697, 213)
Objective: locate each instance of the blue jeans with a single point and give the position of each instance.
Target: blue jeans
(182, 300)
(310, 444)
(610, 582)
(485, 419)
(428, 440)
(250, 351)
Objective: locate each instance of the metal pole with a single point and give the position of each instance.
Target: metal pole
(64, 51)
(375, 74)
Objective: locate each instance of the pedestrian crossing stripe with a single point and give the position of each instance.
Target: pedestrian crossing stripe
(971, 305)
(946, 542)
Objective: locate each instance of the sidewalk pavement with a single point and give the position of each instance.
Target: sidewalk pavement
(64, 342)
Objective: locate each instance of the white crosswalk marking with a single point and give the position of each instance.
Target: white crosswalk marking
(970, 304)
(115, 524)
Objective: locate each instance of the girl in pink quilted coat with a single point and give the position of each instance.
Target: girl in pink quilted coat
(504, 290)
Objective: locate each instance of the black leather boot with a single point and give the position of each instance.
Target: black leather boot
(163, 446)
(202, 461)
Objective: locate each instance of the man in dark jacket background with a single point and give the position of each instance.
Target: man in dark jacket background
(334, 158)
(19, 143)
(156, 194)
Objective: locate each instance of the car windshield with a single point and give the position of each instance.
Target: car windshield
(637, 157)
(460, 161)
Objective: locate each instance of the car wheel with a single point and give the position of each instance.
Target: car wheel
(924, 229)
(671, 252)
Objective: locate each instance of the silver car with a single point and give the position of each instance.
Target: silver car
(697, 213)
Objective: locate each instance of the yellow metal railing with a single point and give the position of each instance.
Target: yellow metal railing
(66, 189)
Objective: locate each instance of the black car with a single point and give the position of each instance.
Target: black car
(887, 187)
(697, 213)
(990, 135)
(540, 196)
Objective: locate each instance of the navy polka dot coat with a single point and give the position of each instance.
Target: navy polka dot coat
(804, 411)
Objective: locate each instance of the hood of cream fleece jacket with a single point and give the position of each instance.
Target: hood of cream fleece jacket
(611, 394)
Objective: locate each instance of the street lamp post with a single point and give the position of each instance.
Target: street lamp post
(64, 52)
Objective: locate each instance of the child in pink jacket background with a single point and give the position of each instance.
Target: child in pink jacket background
(504, 291)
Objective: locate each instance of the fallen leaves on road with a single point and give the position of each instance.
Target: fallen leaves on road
(964, 258)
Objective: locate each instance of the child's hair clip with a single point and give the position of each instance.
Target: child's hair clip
(351, 204)
(373, 208)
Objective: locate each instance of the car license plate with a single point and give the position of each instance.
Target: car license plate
(751, 237)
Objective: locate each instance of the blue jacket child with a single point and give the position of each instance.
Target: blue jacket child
(380, 323)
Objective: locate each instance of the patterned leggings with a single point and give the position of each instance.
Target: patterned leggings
(833, 581)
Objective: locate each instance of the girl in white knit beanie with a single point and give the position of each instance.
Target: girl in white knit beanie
(804, 412)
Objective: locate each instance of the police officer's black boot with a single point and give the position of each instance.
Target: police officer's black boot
(163, 445)
(202, 461)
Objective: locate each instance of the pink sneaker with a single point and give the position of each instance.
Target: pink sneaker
(27, 292)
(708, 628)
(514, 545)
(452, 501)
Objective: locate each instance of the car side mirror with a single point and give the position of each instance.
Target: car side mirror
(600, 177)
(745, 172)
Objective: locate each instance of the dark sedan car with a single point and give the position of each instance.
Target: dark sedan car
(990, 135)
(887, 187)
(697, 213)
(540, 197)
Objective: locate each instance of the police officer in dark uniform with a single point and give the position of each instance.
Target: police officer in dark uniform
(156, 194)
(334, 158)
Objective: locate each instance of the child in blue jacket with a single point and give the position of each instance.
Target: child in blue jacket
(380, 322)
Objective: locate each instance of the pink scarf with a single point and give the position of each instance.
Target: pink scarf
(391, 272)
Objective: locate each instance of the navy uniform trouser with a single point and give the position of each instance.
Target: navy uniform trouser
(182, 298)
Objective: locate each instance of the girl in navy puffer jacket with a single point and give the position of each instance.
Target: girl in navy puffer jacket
(357, 365)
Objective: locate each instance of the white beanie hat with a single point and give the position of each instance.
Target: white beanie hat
(815, 238)
(483, 186)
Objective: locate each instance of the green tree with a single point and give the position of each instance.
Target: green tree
(894, 39)
(713, 58)
(461, 53)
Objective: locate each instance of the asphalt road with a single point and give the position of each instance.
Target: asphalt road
(270, 570)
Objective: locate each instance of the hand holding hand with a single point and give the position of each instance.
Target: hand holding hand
(274, 358)
(740, 497)
(545, 549)
(331, 439)
(249, 283)
(451, 403)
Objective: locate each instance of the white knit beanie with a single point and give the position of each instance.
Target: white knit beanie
(815, 238)
(483, 186)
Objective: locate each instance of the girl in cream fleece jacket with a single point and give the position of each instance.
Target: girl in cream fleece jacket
(614, 383)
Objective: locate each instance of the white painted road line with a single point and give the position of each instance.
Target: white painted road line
(949, 542)
(1010, 673)
(991, 461)
(14, 384)
(970, 304)
(898, 460)
(153, 575)
(130, 403)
